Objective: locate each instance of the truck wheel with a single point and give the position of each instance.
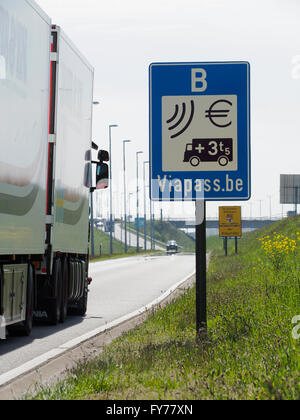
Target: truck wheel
(223, 160)
(81, 306)
(65, 289)
(194, 161)
(56, 302)
(25, 327)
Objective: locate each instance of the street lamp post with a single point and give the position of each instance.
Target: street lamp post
(260, 208)
(137, 202)
(124, 179)
(145, 215)
(151, 226)
(129, 213)
(151, 215)
(110, 192)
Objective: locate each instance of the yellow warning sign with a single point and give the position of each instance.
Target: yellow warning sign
(230, 221)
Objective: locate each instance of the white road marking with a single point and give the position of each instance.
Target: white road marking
(41, 360)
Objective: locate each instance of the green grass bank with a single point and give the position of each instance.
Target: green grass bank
(165, 231)
(102, 248)
(252, 347)
(102, 244)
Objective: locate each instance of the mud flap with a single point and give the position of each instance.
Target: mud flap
(44, 311)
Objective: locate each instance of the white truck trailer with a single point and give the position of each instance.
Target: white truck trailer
(46, 97)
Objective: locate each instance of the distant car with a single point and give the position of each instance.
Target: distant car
(172, 247)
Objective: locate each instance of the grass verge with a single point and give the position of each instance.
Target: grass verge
(249, 353)
(164, 231)
(102, 246)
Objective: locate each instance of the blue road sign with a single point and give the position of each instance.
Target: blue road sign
(200, 131)
(139, 222)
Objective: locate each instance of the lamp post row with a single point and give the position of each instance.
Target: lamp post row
(137, 204)
(110, 193)
(125, 196)
(125, 210)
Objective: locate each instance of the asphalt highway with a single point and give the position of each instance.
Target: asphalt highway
(119, 287)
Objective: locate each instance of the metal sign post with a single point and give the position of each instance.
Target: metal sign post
(201, 307)
(226, 246)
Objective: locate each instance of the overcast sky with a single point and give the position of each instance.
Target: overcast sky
(120, 38)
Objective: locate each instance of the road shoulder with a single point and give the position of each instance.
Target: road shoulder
(66, 357)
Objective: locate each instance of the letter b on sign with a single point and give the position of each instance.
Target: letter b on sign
(199, 83)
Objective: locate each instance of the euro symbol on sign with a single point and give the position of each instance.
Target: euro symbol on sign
(212, 113)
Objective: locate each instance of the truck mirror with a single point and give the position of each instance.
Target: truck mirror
(87, 175)
(103, 156)
(102, 176)
(94, 146)
(88, 156)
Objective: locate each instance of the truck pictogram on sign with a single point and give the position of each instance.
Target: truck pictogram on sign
(209, 150)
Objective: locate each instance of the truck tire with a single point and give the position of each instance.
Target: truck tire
(56, 301)
(223, 160)
(81, 305)
(194, 161)
(25, 327)
(65, 291)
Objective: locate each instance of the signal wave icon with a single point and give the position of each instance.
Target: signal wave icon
(182, 111)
